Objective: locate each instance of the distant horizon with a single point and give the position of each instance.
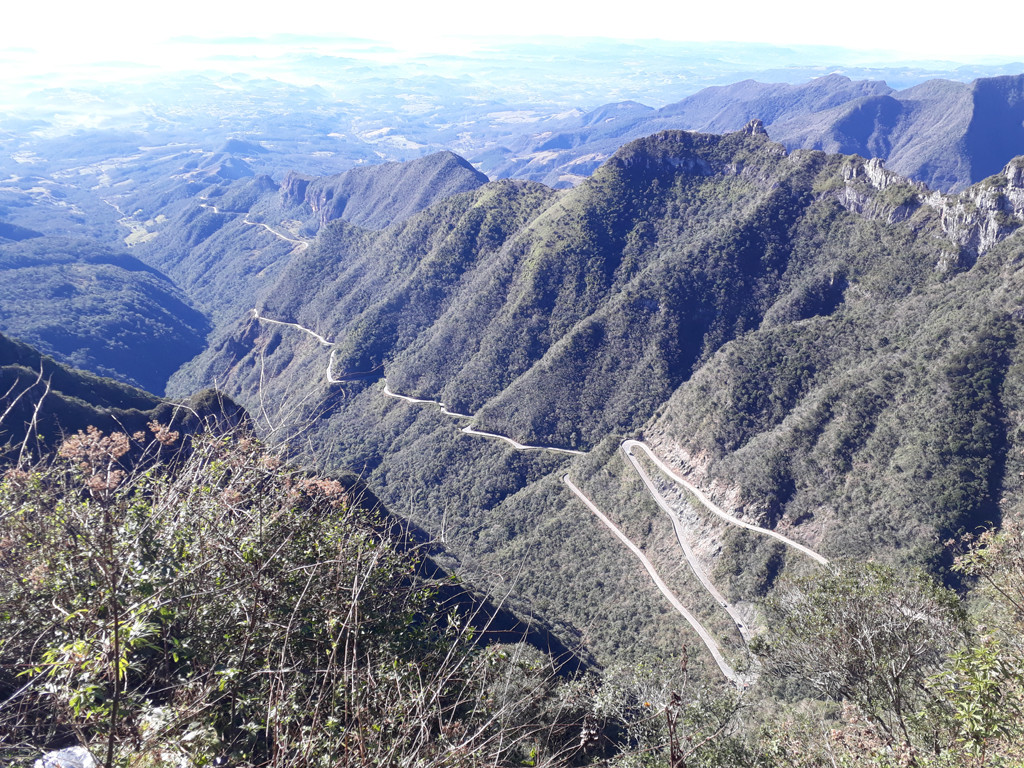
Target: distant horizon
(577, 71)
(192, 52)
(121, 38)
(79, 29)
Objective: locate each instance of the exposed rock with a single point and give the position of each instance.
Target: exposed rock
(983, 215)
(864, 179)
(974, 220)
(755, 128)
(293, 190)
(72, 757)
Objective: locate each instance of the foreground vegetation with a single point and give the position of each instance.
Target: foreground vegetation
(169, 598)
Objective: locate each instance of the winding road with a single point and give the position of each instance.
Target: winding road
(520, 446)
(299, 244)
(470, 431)
(688, 553)
(628, 447)
(330, 369)
(419, 401)
(415, 400)
(314, 334)
(709, 641)
(713, 648)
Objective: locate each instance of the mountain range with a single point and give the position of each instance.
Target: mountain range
(944, 133)
(678, 389)
(828, 348)
(826, 343)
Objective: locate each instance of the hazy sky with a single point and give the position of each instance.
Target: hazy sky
(65, 31)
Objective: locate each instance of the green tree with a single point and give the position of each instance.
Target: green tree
(867, 634)
(163, 604)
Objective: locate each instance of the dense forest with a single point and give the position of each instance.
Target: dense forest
(421, 537)
(826, 347)
(97, 308)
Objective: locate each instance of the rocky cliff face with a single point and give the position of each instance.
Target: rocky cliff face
(863, 179)
(293, 190)
(985, 214)
(973, 221)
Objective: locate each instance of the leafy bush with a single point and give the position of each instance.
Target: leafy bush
(867, 634)
(215, 601)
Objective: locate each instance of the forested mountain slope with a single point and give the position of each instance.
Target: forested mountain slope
(378, 195)
(826, 347)
(97, 308)
(44, 401)
(226, 243)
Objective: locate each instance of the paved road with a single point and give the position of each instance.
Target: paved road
(470, 431)
(330, 368)
(419, 401)
(628, 447)
(691, 559)
(416, 400)
(301, 244)
(314, 334)
(520, 446)
(705, 636)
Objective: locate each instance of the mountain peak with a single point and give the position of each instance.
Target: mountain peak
(375, 196)
(242, 147)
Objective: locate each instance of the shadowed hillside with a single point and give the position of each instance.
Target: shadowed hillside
(97, 308)
(757, 314)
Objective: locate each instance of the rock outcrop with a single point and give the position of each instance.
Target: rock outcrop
(984, 214)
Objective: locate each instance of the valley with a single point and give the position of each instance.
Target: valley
(627, 448)
(523, 306)
(269, 361)
(649, 384)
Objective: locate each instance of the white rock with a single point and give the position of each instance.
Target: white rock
(72, 757)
